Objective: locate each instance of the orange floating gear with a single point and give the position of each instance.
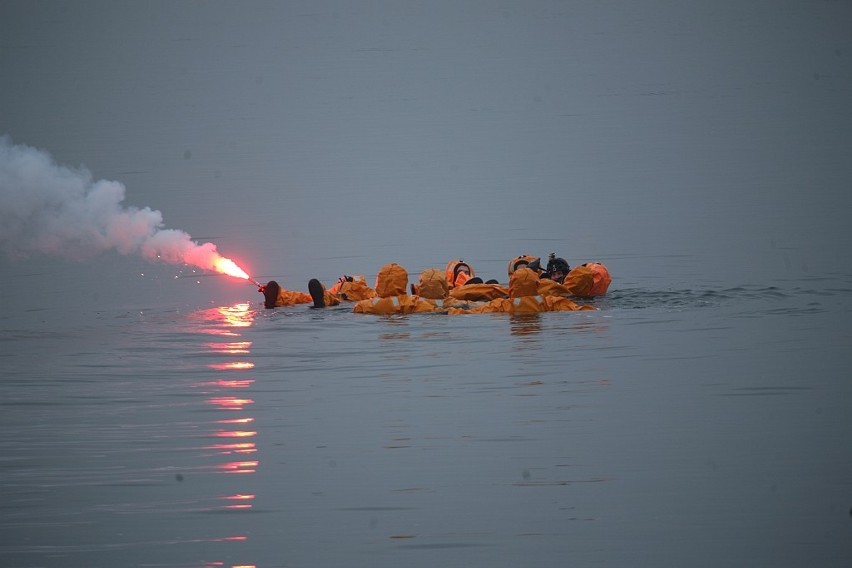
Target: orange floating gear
(456, 275)
(580, 281)
(391, 284)
(523, 298)
(352, 288)
(432, 285)
(602, 278)
(519, 261)
(392, 280)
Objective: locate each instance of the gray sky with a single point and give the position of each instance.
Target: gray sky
(316, 138)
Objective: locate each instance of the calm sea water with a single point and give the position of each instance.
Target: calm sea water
(694, 427)
(153, 415)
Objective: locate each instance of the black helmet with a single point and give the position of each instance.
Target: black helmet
(555, 264)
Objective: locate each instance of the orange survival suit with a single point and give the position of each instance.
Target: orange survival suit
(353, 289)
(391, 284)
(524, 298)
(275, 296)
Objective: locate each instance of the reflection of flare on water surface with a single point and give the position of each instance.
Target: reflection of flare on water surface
(230, 384)
(234, 366)
(238, 448)
(233, 441)
(239, 501)
(219, 564)
(236, 316)
(235, 421)
(229, 347)
(234, 447)
(238, 467)
(235, 434)
(230, 402)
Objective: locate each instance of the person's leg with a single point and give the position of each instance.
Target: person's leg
(317, 292)
(270, 294)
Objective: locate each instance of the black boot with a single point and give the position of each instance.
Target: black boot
(316, 291)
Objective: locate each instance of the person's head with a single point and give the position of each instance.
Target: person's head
(557, 268)
(602, 278)
(433, 284)
(523, 282)
(458, 272)
(392, 280)
(524, 260)
(270, 294)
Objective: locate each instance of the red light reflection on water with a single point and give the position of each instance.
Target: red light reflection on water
(220, 564)
(228, 384)
(230, 402)
(236, 316)
(226, 449)
(222, 332)
(241, 501)
(235, 421)
(233, 440)
(239, 496)
(238, 467)
(232, 366)
(235, 434)
(230, 348)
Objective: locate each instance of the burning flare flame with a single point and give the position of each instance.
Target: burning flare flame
(176, 247)
(229, 267)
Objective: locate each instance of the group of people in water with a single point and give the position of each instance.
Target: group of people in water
(457, 289)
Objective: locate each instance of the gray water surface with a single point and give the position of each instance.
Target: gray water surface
(700, 428)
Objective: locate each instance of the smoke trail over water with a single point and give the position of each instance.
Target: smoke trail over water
(46, 208)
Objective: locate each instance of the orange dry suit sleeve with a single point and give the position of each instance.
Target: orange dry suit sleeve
(291, 297)
(524, 305)
(402, 304)
(479, 292)
(579, 282)
(355, 291)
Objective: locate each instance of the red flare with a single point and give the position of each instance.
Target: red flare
(229, 267)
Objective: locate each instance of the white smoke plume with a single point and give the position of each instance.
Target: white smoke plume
(46, 208)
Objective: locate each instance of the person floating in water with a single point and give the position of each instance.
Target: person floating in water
(459, 272)
(527, 260)
(347, 288)
(558, 279)
(433, 288)
(557, 268)
(524, 298)
(602, 278)
(585, 281)
(391, 297)
(274, 296)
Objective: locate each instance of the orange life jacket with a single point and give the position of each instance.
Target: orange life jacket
(519, 261)
(602, 278)
(456, 278)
